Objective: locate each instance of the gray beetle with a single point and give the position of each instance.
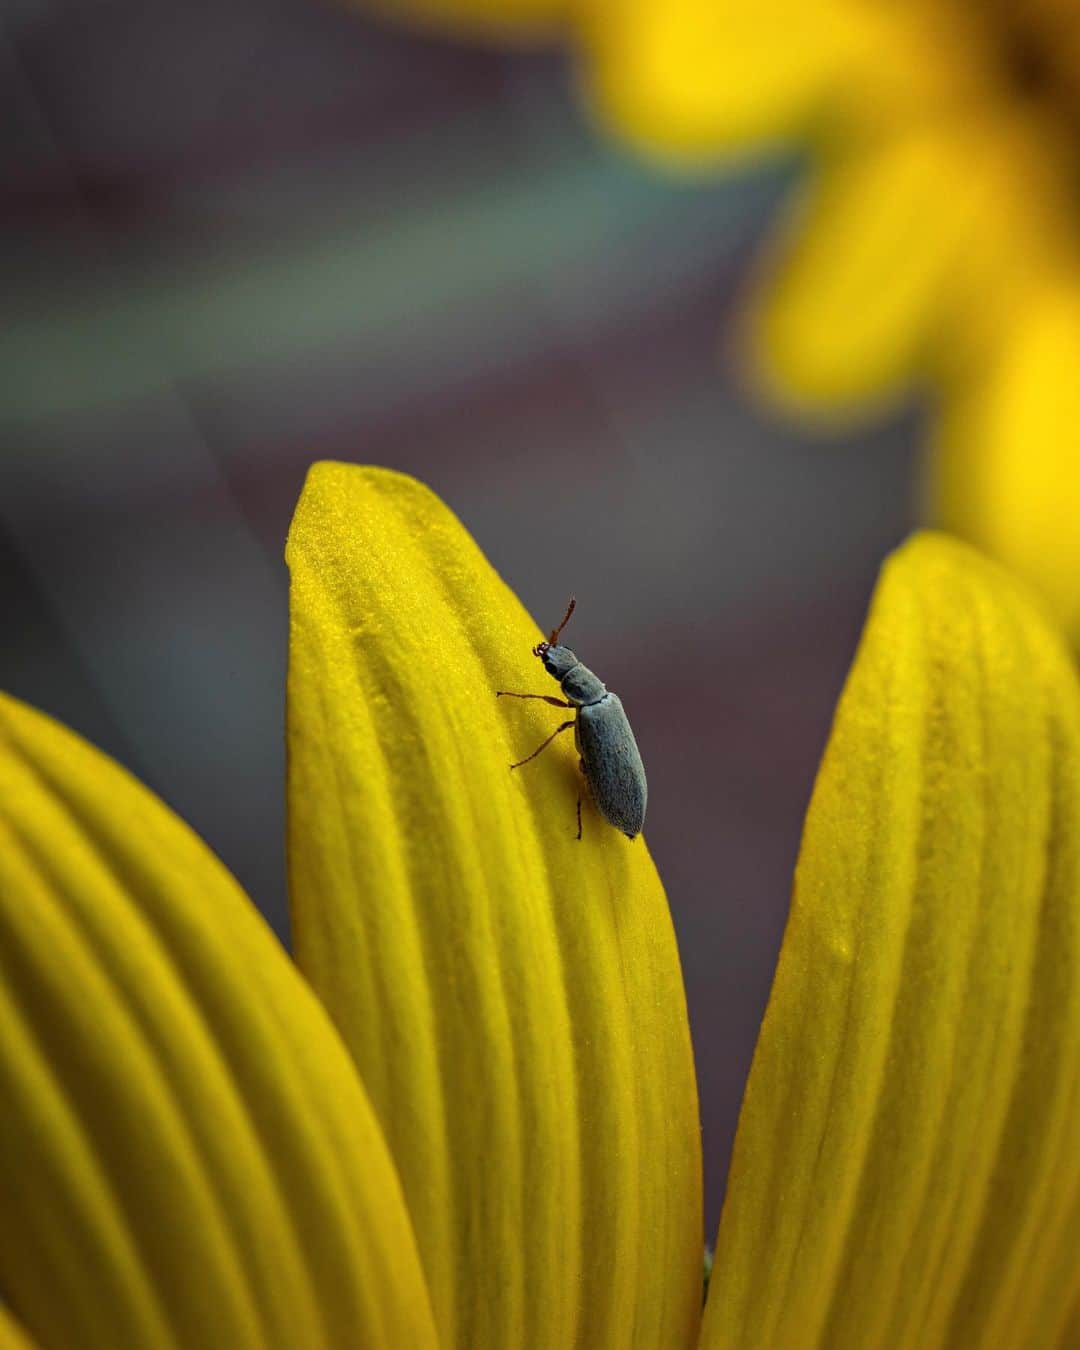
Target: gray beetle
(610, 759)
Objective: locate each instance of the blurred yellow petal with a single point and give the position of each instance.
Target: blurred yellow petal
(512, 997)
(12, 1336)
(860, 278)
(906, 1171)
(688, 79)
(188, 1156)
(1005, 471)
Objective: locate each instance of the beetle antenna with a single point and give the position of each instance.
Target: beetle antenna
(565, 621)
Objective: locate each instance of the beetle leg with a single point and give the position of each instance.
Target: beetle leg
(565, 727)
(581, 794)
(548, 698)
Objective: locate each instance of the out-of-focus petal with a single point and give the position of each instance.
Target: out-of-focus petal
(512, 996)
(906, 1171)
(12, 1336)
(693, 80)
(1005, 471)
(186, 1154)
(859, 280)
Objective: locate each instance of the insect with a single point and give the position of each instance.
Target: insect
(610, 760)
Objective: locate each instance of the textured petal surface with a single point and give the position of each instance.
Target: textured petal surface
(186, 1154)
(512, 996)
(906, 1171)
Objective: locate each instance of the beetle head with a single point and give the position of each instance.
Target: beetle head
(557, 660)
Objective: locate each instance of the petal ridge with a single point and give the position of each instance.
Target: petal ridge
(190, 990)
(221, 1063)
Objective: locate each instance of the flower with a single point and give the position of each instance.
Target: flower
(937, 239)
(507, 1152)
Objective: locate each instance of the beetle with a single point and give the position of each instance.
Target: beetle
(609, 757)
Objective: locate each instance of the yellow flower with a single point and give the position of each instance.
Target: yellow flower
(511, 1157)
(939, 237)
(937, 240)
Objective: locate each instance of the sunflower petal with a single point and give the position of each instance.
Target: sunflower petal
(188, 1157)
(1006, 466)
(512, 996)
(906, 1170)
(692, 80)
(12, 1336)
(859, 281)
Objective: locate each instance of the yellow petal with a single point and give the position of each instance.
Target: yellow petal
(188, 1157)
(863, 275)
(12, 1336)
(692, 80)
(1005, 471)
(909, 254)
(512, 996)
(906, 1170)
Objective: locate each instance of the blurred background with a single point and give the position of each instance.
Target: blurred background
(241, 236)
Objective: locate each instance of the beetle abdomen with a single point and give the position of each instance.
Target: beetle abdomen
(612, 763)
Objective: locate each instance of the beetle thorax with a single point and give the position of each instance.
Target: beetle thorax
(581, 686)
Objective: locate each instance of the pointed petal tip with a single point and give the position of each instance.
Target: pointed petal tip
(510, 993)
